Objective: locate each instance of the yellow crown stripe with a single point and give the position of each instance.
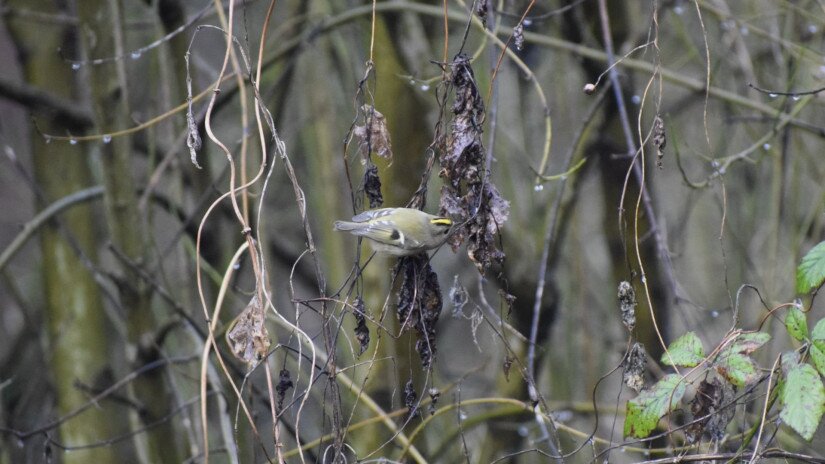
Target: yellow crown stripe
(442, 221)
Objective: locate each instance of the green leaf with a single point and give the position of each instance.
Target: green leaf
(804, 399)
(684, 351)
(747, 343)
(733, 362)
(819, 331)
(818, 335)
(738, 369)
(796, 324)
(811, 271)
(644, 411)
(818, 358)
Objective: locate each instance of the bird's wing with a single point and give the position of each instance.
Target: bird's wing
(371, 214)
(382, 231)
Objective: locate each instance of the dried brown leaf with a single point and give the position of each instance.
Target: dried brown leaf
(284, 384)
(247, 336)
(420, 303)
(362, 333)
(410, 399)
(627, 304)
(373, 136)
(633, 368)
(372, 186)
(710, 410)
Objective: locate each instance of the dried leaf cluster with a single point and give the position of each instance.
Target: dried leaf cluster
(373, 138)
(362, 333)
(419, 303)
(468, 195)
(709, 413)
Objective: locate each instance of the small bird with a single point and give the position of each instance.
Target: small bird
(399, 231)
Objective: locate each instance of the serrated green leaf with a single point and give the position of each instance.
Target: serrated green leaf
(796, 324)
(644, 411)
(733, 362)
(811, 271)
(738, 369)
(684, 351)
(819, 331)
(818, 358)
(804, 400)
(747, 343)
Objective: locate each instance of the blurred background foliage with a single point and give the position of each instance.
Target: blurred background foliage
(103, 327)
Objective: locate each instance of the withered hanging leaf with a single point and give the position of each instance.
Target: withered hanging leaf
(362, 333)
(193, 137)
(627, 304)
(659, 139)
(709, 410)
(468, 195)
(420, 303)
(247, 336)
(481, 11)
(633, 373)
(373, 136)
(464, 149)
(483, 227)
(284, 384)
(410, 399)
(468, 102)
(372, 186)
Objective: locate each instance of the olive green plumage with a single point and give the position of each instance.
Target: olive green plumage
(398, 231)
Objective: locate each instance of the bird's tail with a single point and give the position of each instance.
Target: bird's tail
(345, 225)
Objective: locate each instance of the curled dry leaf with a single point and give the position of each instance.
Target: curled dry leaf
(633, 373)
(659, 139)
(373, 136)
(481, 11)
(284, 384)
(362, 333)
(627, 304)
(372, 186)
(419, 303)
(410, 399)
(247, 336)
